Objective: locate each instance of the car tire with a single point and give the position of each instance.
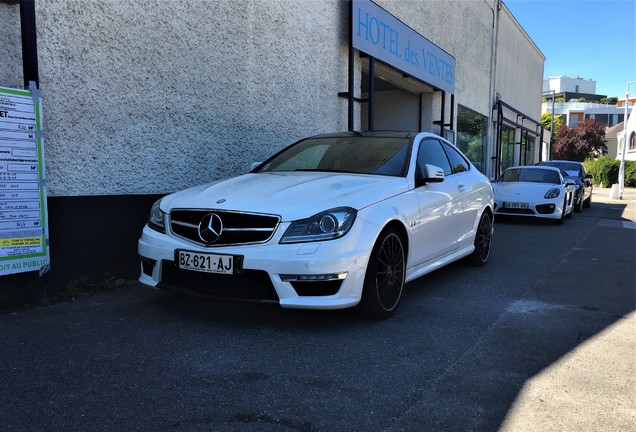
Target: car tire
(579, 204)
(483, 241)
(384, 279)
(572, 210)
(588, 202)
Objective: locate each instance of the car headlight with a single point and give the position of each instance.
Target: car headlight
(328, 225)
(552, 193)
(157, 218)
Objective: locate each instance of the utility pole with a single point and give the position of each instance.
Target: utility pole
(621, 171)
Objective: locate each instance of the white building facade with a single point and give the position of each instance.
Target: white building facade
(572, 113)
(146, 97)
(627, 137)
(564, 84)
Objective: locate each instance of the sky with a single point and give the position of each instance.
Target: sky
(592, 39)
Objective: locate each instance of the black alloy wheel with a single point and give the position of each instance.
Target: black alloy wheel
(579, 203)
(483, 241)
(588, 202)
(384, 279)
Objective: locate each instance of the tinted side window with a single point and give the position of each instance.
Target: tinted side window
(510, 175)
(458, 163)
(431, 152)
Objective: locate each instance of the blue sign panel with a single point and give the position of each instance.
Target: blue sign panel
(384, 37)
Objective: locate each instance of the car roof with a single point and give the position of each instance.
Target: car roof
(537, 167)
(384, 134)
(559, 162)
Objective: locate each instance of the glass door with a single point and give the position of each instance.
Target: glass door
(507, 147)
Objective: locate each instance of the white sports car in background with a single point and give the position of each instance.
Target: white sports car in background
(535, 191)
(329, 222)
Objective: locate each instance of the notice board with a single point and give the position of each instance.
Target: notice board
(24, 238)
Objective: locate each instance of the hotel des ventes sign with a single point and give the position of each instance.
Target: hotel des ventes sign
(23, 215)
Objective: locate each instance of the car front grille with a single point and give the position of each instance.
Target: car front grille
(252, 285)
(515, 211)
(234, 228)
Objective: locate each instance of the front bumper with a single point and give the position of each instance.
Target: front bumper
(285, 273)
(545, 209)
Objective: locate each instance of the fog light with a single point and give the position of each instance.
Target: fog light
(313, 278)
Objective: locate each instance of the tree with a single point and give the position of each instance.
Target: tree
(609, 100)
(546, 120)
(586, 139)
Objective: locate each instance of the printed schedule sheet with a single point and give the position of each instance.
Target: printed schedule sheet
(23, 230)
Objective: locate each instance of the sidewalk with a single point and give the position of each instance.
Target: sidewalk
(629, 201)
(602, 194)
(593, 386)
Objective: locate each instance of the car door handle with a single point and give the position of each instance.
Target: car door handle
(461, 188)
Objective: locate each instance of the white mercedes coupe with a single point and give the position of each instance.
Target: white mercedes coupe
(535, 191)
(332, 221)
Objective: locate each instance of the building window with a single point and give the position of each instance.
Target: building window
(507, 147)
(528, 148)
(471, 136)
(632, 141)
(575, 118)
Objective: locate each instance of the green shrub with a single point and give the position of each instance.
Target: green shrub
(605, 171)
(630, 173)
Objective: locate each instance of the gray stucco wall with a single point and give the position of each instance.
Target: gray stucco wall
(10, 47)
(149, 96)
(152, 96)
(519, 67)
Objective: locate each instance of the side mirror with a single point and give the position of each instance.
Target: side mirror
(588, 176)
(430, 174)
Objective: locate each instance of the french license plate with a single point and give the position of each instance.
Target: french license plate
(516, 205)
(208, 263)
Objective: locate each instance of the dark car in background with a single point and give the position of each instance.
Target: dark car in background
(572, 170)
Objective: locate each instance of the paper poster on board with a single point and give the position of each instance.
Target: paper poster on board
(23, 213)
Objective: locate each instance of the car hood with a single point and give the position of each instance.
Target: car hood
(292, 195)
(512, 189)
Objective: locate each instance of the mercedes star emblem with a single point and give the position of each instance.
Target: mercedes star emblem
(210, 228)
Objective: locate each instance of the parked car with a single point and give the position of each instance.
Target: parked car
(329, 222)
(583, 181)
(534, 191)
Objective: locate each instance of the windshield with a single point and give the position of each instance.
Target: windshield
(532, 175)
(570, 169)
(360, 155)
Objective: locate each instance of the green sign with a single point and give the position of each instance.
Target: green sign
(24, 237)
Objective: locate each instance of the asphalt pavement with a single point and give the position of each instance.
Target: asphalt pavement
(592, 387)
(543, 338)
